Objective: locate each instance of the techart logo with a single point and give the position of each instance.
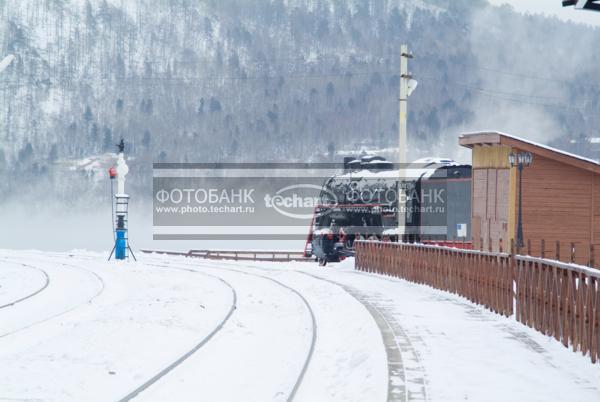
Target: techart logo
(288, 201)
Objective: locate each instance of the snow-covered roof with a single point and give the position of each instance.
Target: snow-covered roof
(371, 158)
(423, 168)
(435, 160)
(496, 137)
(323, 231)
(390, 232)
(379, 162)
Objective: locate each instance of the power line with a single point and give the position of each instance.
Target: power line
(523, 75)
(517, 97)
(490, 91)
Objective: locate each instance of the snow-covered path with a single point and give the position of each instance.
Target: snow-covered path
(170, 328)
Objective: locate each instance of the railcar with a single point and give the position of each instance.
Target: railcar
(362, 203)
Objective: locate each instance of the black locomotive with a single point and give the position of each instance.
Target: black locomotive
(363, 204)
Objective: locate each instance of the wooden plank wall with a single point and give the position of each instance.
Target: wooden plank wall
(560, 203)
(491, 189)
(490, 157)
(557, 205)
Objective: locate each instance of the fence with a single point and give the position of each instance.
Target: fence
(583, 253)
(239, 255)
(555, 298)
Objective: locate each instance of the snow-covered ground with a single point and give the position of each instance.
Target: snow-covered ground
(74, 327)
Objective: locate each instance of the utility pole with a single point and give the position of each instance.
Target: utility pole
(407, 85)
(404, 77)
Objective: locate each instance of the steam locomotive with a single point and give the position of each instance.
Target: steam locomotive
(363, 203)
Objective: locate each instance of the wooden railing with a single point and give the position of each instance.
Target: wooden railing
(557, 299)
(248, 255)
(560, 300)
(239, 255)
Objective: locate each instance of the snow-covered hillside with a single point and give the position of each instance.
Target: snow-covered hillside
(74, 327)
(189, 81)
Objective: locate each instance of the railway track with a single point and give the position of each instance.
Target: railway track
(404, 383)
(89, 300)
(406, 375)
(154, 379)
(313, 341)
(30, 295)
(310, 353)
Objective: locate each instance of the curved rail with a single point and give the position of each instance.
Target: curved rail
(389, 333)
(29, 296)
(100, 290)
(313, 342)
(186, 355)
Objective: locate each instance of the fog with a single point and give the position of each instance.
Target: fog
(50, 228)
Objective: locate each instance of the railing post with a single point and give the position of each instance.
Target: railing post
(543, 251)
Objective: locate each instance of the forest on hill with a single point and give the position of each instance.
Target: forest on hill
(294, 80)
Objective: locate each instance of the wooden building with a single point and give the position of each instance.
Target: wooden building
(560, 200)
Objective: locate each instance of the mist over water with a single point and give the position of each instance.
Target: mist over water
(49, 228)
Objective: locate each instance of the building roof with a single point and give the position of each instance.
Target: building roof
(489, 138)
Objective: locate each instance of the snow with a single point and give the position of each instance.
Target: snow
(143, 318)
(420, 168)
(95, 165)
(259, 336)
(537, 144)
(19, 282)
(323, 231)
(469, 353)
(390, 232)
(100, 330)
(561, 264)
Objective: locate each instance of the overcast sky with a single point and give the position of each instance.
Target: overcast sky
(553, 7)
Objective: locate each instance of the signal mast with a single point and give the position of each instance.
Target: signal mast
(120, 207)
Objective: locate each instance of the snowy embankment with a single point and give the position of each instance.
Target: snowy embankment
(108, 331)
(170, 328)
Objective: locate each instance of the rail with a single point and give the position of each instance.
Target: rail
(557, 299)
(239, 255)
